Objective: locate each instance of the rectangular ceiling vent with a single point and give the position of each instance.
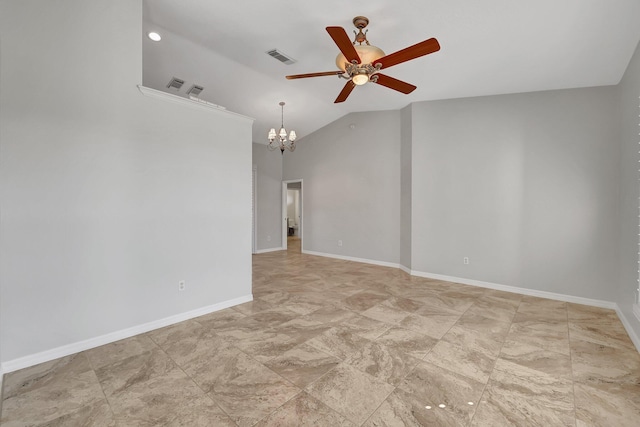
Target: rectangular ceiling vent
(195, 90)
(175, 83)
(275, 53)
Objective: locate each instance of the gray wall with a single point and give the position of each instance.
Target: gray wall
(109, 197)
(351, 186)
(269, 217)
(406, 143)
(525, 185)
(629, 91)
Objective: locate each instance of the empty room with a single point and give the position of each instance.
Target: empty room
(277, 213)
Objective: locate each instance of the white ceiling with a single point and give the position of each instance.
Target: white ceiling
(488, 47)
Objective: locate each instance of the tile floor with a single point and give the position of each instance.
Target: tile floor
(337, 343)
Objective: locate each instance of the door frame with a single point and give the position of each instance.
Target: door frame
(285, 226)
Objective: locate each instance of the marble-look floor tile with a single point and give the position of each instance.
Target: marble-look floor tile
(340, 342)
(62, 396)
(448, 299)
(412, 343)
(597, 363)
(431, 321)
(119, 350)
(463, 360)
(607, 405)
(274, 317)
(543, 309)
(305, 411)
(428, 385)
(44, 374)
(95, 415)
(329, 315)
(611, 334)
(366, 327)
(535, 359)
(303, 364)
(159, 400)
(408, 410)
(350, 392)
(253, 307)
(494, 308)
(265, 345)
(383, 362)
(218, 319)
(553, 336)
(385, 313)
(187, 345)
(479, 333)
(246, 390)
(525, 395)
(363, 301)
(125, 373)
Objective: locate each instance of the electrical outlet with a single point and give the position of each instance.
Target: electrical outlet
(339, 242)
(181, 285)
(465, 260)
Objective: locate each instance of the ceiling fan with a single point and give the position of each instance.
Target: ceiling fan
(362, 63)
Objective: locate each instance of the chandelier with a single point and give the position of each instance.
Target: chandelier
(279, 140)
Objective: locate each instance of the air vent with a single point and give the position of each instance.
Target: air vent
(195, 90)
(275, 53)
(175, 83)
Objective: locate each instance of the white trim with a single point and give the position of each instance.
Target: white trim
(203, 105)
(627, 325)
(66, 350)
(517, 290)
(636, 311)
(349, 258)
(264, 251)
(405, 269)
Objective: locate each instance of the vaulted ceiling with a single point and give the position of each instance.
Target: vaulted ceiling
(488, 47)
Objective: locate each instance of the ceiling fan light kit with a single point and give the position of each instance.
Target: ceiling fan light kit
(361, 63)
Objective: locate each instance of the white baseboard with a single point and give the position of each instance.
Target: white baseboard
(348, 258)
(264, 251)
(517, 290)
(405, 269)
(627, 325)
(66, 350)
(543, 294)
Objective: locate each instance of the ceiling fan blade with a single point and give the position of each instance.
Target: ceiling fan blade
(412, 52)
(395, 84)
(324, 73)
(342, 40)
(344, 93)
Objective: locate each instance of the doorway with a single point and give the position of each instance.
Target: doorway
(292, 196)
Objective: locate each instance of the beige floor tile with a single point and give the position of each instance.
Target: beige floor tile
(481, 334)
(303, 364)
(340, 342)
(383, 362)
(119, 350)
(246, 390)
(370, 346)
(597, 363)
(350, 392)
(62, 396)
(607, 405)
(412, 343)
(463, 360)
(431, 321)
(305, 411)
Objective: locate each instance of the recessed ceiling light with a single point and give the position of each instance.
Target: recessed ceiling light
(154, 36)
